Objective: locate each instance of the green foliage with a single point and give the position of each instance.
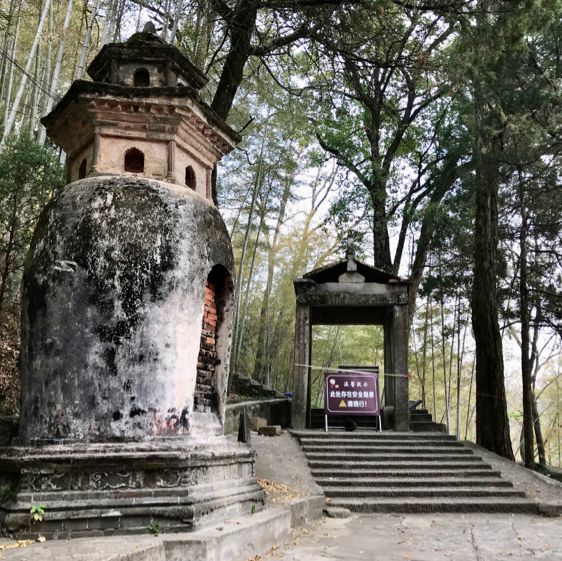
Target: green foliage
(37, 511)
(29, 176)
(154, 528)
(334, 346)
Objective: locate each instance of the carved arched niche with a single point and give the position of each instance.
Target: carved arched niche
(211, 382)
(141, 78)
(82, 169)
(134, 161)
(190, 179)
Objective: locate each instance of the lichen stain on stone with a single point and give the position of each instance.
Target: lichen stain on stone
(126, 320)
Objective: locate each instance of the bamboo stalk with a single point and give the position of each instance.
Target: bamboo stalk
(8, 97)
(57, 69)
(81, 66)
(23, 83)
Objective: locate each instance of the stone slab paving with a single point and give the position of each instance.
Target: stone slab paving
(437, 537)
(134, 548)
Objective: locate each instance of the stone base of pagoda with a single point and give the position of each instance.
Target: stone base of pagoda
(165, 485)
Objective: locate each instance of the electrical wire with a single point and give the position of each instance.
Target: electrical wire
(30, 76)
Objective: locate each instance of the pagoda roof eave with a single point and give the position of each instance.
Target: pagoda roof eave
(101, 88)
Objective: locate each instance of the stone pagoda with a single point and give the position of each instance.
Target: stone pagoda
(127, 313)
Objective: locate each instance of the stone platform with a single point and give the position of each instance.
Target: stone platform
(292, 500)
(167, 485)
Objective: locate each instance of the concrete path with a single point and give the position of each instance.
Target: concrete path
(421, 537)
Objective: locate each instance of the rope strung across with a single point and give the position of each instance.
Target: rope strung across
(335, 370)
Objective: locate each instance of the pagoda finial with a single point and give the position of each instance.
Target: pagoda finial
(149, 27)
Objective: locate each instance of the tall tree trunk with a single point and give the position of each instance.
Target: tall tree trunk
(433, 373)
(179, 7)
(468, 415)
(13, 52)
(451, 353)
(165, 19)
(57, 69)
(108, 21)
(6, 44)
(242, 312)
(444, 355)
(526, 366)
(118, 19)
(424, 356)
(240, 29)
(46, 79)
(247, 288)
(81, 65)
(443, 183)
(459, 367)
(238, 290)
(260, 365)
(35, 95)
(24, 77)
(492, 423)
(535, 366)
(381, 240)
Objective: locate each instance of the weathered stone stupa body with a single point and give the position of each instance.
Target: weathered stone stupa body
(127, 310)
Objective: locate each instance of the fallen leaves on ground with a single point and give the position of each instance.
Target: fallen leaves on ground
(279, 492)
(268, 553)
(15, 545)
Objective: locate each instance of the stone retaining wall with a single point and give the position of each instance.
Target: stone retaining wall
(275, 411)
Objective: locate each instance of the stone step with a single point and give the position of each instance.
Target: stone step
(374, 435)
(407, 472)
(420, 411)
(482, 472)
(421, 417)
(436, 504)
(205, 423)
(406, 482)
(378, 443)
(357, 457)
(383, 449)
(436, 491)
(422, 426)
(393, 465)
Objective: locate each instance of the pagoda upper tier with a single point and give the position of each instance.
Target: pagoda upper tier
(141, 115)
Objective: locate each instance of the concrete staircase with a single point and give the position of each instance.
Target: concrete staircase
(369, 472)
(421, 421)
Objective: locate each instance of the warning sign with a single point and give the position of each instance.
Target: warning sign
(351, 393)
